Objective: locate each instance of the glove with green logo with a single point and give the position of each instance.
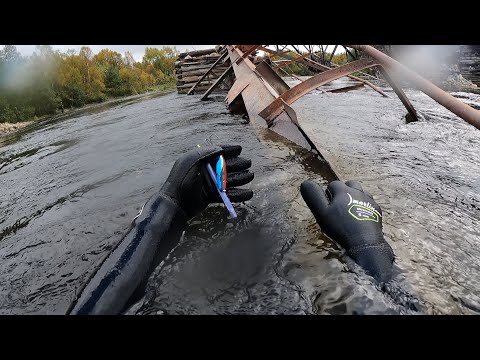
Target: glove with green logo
(353, 219)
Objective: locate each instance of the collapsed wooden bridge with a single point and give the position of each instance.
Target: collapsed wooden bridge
(255, 87)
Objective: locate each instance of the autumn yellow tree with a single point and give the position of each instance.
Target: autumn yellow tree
(91, 76)
(49, 81)
(160, 62)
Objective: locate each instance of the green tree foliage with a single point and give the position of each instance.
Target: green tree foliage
(10, 62)
(70, 82)
(109, 58)
(160, 62)
(49, 81)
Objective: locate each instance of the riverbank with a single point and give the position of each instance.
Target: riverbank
(10, 128)
(6, 128)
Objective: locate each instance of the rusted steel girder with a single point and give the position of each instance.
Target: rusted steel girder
(288, 62)
(276, 107)
(333, 54)
(392, 66)
(248, 52)
(380, 91)
(313, 64)
(398, 90)
(347, 88)
(401, 95)
(292, 74)
(257, 91)
(403, 98)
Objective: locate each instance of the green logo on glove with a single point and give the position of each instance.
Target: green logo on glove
(362, 211)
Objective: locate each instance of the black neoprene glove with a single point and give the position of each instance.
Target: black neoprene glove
(353, 219)
(190, 186)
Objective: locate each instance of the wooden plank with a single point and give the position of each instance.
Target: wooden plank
(215, 73)
(196, 62)
(197, 53)
(208, 71)
(205, 57)
(189, 85)
(217, 82)
(201, 89)
(198, 67)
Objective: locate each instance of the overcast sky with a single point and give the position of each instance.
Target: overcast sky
(136, 50)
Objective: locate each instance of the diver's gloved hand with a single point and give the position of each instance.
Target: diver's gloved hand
(353, 219)
(190, 186)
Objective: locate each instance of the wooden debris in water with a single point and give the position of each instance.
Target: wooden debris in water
(191, 66)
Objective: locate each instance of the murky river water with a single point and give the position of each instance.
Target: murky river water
(70, 188)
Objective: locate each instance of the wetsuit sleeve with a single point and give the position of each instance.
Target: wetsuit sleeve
(155, 232)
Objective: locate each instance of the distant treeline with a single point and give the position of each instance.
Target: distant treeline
(50, 81)
(299, 69)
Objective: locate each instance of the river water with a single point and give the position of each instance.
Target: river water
(70, 187)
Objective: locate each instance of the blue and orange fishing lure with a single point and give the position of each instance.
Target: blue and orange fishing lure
(221, 170)
(219, 178)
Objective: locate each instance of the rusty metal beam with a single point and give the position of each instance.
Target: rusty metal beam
(269, 75)
(347, 88)
(290, 57)
(235, 91)
(288, 62)
(313, 64)
(216, 83)
(459, 108)
(401, 95)
(208, 72)
(349, 52)
(363, 73)
(323, 54)
(292, 74)
(297, 50)
(333, 53)
(290, 96)
(293, 116)
(248, 53)
(366, 82)
(256, 94)
(277, 53)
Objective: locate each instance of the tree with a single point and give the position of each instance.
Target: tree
(93, 85)
(86, 53)
(128, 59)
(43, 68)
(9, 54)
(109, 58)
(161, 61)
(42, 83)
(113, 81)
(70, 79)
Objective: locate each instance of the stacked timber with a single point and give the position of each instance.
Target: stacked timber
(191, 66)
(469, 62)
